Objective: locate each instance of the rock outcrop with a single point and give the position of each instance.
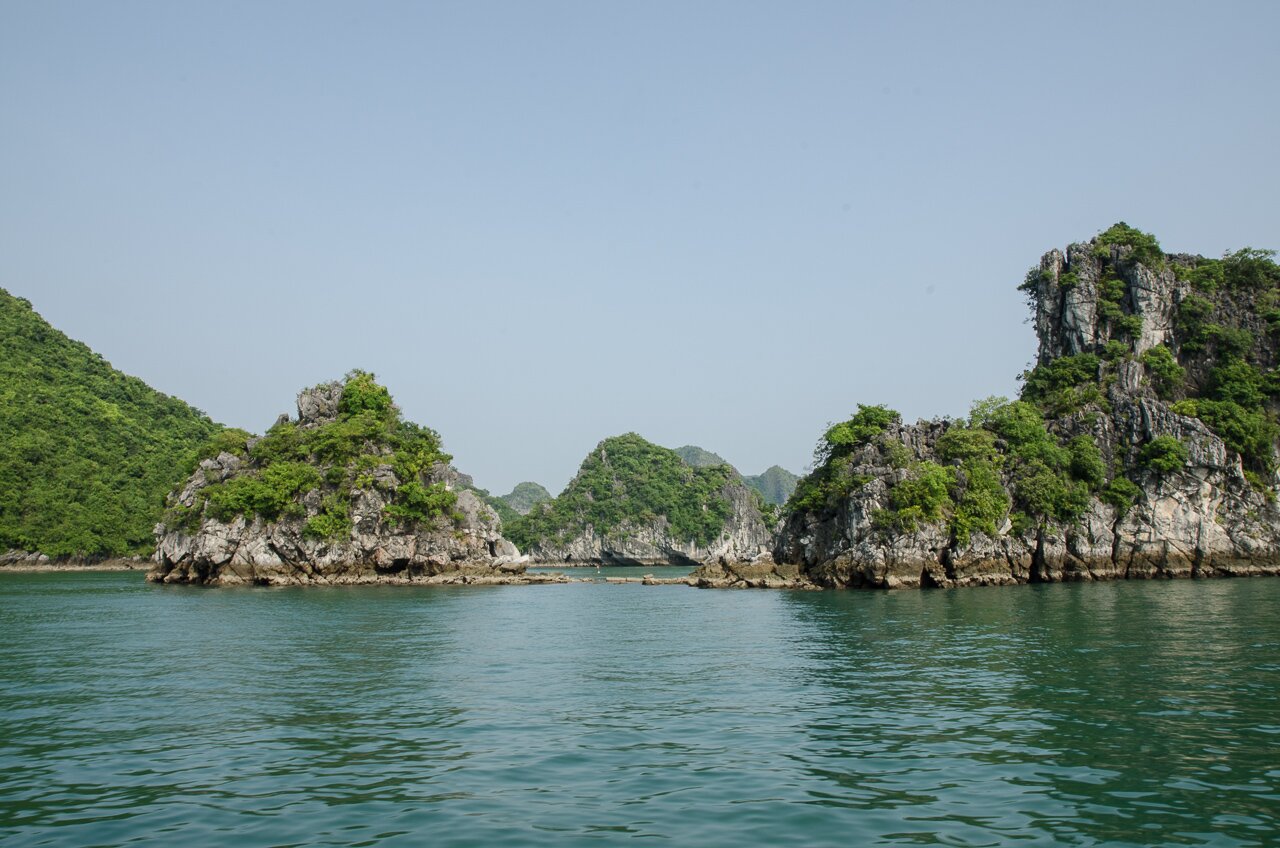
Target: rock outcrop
(346, 493)
(1176, 488)
(636, 503)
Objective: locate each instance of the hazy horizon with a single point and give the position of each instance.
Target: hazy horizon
(719, 224)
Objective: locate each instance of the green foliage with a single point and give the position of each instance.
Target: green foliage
(1207, 275)
(699, 458)
(361, 393)
(334, 519)
(416, 502)
(1042, 490)
(341, 455)
(87, 453)
(1250, 432)
(1251, 269)
(1194, 329)
(1114, 351)
(963, 444)
(832, 477)
(1086, 464)
(1121, 493)
(1145, 248)
(925, 496)
(1129, 325)
(232, 440)
(1036, 277)
(1064, 385)
(1043, 472)
(775, 485)
(1167, 375)
(524, 497)
(1238, 382)
(627, 479)
(867, 423)
(269, 492)
(981, 501)
(1164, 454)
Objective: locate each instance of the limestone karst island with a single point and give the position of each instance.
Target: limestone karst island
(1143, 445)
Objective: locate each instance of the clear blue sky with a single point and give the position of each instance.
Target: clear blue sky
(543, 223)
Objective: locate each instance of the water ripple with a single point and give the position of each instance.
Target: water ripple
(1119, 714)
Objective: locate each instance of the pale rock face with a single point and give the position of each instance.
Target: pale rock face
(1205, 520)
(466, 547)
(319, 405)
(745, 538)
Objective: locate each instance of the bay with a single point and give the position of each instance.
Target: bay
(1098, 714)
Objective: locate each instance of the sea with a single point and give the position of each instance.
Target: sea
(1117, 714)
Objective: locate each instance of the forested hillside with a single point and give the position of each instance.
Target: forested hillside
(86, 453)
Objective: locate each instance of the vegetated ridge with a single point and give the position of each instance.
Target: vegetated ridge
(1143, 443)
(86, 453)
(635, 502)
(775, 485)
(525, 496)
(348, 492)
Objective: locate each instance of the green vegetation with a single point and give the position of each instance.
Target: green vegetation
(1235, 398)
(1122, 493)
(1164, 454)
(1231, 386)
(1167, 375)
(1064, 385)
(1144, 247)
(355, 451)
(700, 458)
(775, 485)
(833, 477)
(524, 497)
(1002, 459)
(1009, 459)
(88, 452)
(627, 479)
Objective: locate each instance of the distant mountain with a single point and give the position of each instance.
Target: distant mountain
(775, 485)
(525, 496)
(699, 458)
(633, 501)
(86, 453)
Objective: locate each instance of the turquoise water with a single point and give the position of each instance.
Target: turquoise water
(1111, 714)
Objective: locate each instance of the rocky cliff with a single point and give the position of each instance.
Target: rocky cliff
(633, 502)
(1144, 443)
(347, 492)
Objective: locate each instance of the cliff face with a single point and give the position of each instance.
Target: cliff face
(345, 493)
(634, 502)
(1143, 446)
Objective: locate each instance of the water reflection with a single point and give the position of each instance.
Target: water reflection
(1096, 714)
(1126, 713)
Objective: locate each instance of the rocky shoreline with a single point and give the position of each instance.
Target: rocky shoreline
(28, 561)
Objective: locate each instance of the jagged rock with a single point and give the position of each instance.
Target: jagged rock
(1204, 519)
(461, 544)
(647, 484)
(744, 538)
(319, 404)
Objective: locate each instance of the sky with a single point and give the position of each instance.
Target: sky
(544, 223)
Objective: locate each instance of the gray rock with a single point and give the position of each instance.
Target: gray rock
(1204, 520)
